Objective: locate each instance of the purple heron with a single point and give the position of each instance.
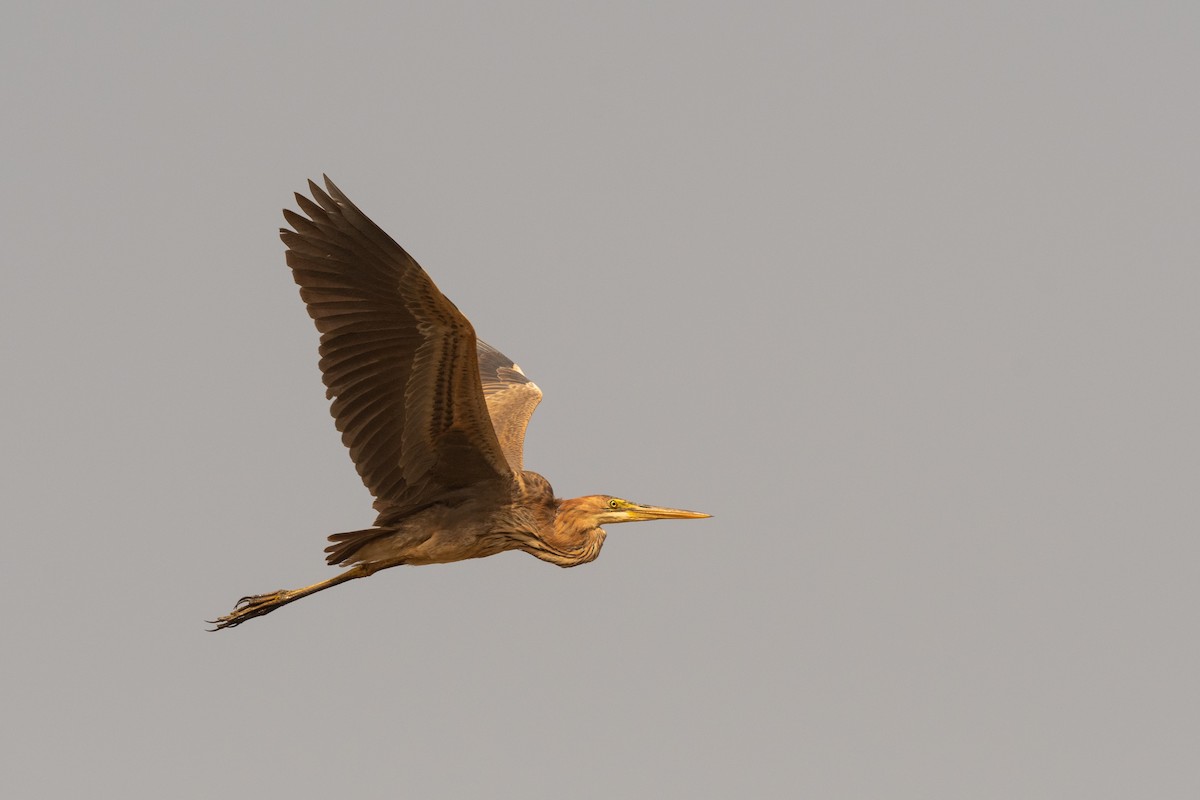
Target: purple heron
(434, 418)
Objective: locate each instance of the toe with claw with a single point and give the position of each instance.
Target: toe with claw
(250, 607)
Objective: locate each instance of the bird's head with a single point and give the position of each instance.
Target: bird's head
(576, 536)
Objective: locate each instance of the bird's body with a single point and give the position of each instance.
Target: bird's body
(478, 524)
(434, 418)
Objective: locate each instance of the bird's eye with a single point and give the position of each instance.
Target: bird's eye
(614, 503)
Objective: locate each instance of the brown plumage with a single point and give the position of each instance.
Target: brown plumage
(434, 419)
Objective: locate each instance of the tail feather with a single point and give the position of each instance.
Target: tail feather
(345, 545)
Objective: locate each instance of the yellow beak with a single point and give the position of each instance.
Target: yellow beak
(638, 513)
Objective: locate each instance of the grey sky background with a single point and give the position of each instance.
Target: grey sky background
(904, 294)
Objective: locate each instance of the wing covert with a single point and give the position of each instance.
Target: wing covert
(511, 400)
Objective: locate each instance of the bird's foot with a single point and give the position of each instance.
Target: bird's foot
(253, 606)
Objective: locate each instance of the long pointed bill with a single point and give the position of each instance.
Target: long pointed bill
(637, 513)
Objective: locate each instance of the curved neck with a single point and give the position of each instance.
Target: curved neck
(555, 549)
(572, 537)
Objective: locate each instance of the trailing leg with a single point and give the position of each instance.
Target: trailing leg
(259, 604)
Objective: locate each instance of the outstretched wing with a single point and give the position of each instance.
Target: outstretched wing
(511, 399)
(397, 357)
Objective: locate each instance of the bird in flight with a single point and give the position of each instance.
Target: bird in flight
(433, 417)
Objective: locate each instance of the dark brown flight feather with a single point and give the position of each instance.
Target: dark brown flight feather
(398, 359)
